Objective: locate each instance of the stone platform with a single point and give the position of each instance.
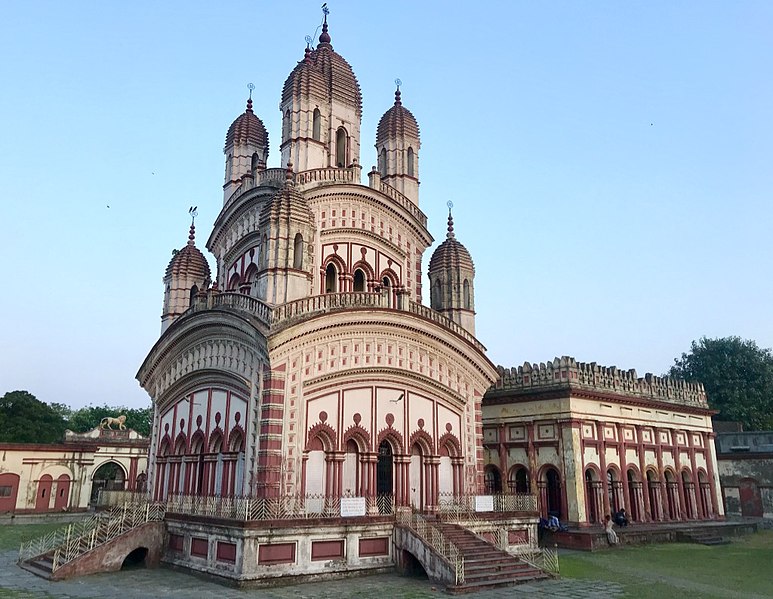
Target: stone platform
(594, 538)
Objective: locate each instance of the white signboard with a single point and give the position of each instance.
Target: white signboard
(484, 503)
(352, 506)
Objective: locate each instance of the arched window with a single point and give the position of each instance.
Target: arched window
(359, 280)
(590, 490)
(331, 279)
(437, 295)
(194, 291)
(298, 252)
(553, 492)
(341, 142)
(466, 294)
(316, 125)
(612, 485)
(286, 125)
(254, 162)
(519, 480)
(234, 282)
(410, 162)
(382, 162)
(228, 165)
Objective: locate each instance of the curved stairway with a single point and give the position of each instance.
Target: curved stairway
(485, 566)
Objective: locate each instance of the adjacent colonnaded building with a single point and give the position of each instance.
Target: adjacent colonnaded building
(307, 369)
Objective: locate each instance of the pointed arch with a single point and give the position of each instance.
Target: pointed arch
(424, 440)
(325, 434)
(236, 439)
(410, 160)
(342, 147)
(466, 294)
(298, 252)
(382, 162)
(449, 445)
(216, 441)
(233, 282)
(394, 438)
(316, 125)
(181, 444)
(360, 436)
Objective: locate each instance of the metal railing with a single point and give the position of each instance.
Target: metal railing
(76, 539)
(287, 507)
(434, 537)
(458, 507)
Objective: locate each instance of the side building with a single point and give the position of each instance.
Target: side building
(68, 476)
(591, 440)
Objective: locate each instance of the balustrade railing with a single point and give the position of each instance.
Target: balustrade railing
(286, 507)
(328, 175)
(404, 202)
(434, 537)
(78, 538)
(466, 507)
(430, 314)
(308, 306)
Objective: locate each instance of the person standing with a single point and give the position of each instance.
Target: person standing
(609, 528)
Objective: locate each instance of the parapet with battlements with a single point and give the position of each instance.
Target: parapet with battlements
(567, 373)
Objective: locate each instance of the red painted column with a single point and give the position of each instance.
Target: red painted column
(647, 516)
(623, 460)
(679, 486)
(603, 466)
(662, 477)
(700, 508)
(708, 439)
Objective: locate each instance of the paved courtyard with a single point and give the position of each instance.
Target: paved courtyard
(162, 583)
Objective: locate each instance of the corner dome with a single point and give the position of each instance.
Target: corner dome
(398, 121)
(287, 202)
(247, 128)
(189, 260)
(450, 253)
(324, 74)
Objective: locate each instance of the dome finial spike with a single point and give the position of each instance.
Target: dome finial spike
(398, 83)
(193, 211)
(289, 177)
(324, 37)
(250, 86)
(450, 234)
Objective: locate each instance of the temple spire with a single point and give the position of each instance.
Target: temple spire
(450, 234)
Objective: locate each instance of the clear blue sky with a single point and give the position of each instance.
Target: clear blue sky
(610, 165)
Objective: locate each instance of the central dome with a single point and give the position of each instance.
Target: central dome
(325, 74)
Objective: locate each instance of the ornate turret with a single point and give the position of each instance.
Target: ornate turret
(246, 148)
(321, 110)
(451, 278)
(397, 146)
(186, 275)
(287, 227)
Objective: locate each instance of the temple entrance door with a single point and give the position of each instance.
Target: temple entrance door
(384, 472)
(43, 499)
(751, 500)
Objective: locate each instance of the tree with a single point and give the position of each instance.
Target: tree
(737, 376)
(85, 419)
(25, 419)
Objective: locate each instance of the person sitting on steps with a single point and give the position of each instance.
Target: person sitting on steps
(608, 528)
(621, 518)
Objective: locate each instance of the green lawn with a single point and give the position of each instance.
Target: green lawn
(13, 535)
(743, 568)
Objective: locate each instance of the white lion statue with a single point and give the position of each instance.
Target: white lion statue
(109, 421)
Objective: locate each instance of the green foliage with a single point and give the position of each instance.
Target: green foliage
(25, 419)
(87, 418)
(737, 376)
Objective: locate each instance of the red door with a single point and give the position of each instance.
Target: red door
(43, 500)
(62, 492)
(751, 500)
(9, 487)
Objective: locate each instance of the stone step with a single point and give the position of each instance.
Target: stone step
(475, 586)
(38, 569)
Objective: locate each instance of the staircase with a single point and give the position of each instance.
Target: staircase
(485, 566)
(47, 555)
(702, 537)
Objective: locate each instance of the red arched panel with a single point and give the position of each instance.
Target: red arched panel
(9, 489)
(43, 498)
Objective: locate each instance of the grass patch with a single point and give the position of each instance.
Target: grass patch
(13, 535)
(676, 569)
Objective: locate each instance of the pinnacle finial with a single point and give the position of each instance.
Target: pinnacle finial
(289, 175)
(192, 233)
(450, 234)
(398, 83)
(250, 87)
(324, 37)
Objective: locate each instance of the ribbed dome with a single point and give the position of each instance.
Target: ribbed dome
(247, 128)
(450, 253)
(288, 203)
(397, 122)
(324, 74)
(189, 260)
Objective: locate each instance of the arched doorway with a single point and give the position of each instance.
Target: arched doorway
(653, 488)
(62, 499)
(385, 477)
(672, 496)
(635, 496)
(492, 480)
(110, 477)
(519, 480)
(593, 493)
(416, 478)
(9, 488)
(553, 493)
(43, 498)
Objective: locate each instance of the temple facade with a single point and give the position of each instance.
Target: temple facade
(306, 364)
